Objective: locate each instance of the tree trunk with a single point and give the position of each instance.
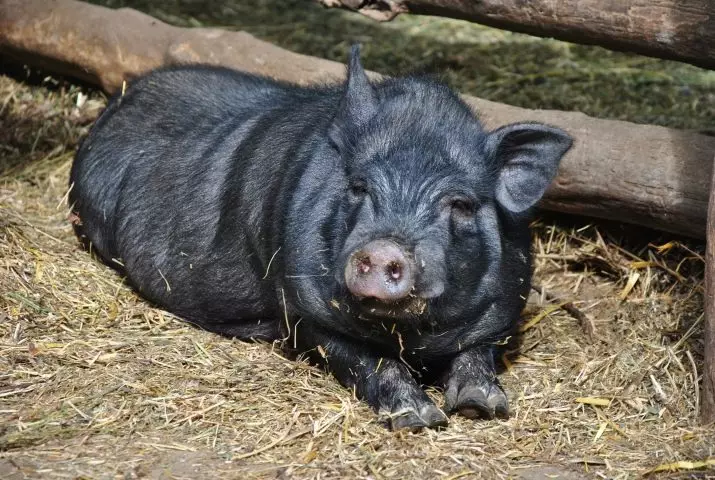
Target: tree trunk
(645, 175)
(708, 396)
(678, 30)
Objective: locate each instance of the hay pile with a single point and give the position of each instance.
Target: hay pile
(94, 383)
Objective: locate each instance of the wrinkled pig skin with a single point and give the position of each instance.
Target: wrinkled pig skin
(376, 227)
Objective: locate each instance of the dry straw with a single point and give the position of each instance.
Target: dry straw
(95, 383)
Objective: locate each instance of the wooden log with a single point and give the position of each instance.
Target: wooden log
(707, 404)
(646, 175)
(672, 29)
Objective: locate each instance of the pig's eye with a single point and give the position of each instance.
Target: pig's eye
(462, 207)
(358, 188)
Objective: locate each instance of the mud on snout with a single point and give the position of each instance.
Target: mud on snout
(387, 280)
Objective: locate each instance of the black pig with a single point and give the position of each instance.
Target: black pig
(375, 226)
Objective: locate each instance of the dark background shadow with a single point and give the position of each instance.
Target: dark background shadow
(41, 128)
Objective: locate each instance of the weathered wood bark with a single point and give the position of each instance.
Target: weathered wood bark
(708, 396)
(646, 175)
(673, 29)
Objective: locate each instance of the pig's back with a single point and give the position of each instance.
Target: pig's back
(166, 183)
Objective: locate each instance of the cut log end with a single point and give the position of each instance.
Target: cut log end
(708, 391)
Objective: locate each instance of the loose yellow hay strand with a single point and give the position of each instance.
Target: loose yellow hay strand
(682, 465)
(537, 318)
(601, 402)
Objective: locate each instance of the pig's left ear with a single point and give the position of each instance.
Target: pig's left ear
(528, 155)
(359, 102)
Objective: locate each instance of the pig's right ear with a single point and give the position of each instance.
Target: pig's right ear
(528, 156)
(358, 104)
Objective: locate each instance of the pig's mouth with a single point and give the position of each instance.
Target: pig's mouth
(403, 309)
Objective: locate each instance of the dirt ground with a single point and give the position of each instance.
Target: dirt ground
(95, 383)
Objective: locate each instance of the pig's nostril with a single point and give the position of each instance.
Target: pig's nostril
(364, 266)
(394, 271)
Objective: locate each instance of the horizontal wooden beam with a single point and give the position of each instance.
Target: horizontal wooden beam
(673, 29)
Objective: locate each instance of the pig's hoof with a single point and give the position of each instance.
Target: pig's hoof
(477, 400)
(414, 419)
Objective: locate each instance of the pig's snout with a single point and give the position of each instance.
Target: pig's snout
(381, 270)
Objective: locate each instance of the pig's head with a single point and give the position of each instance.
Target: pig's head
(428, 193)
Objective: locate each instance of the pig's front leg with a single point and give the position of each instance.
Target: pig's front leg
(472, 387)
(384, 383)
